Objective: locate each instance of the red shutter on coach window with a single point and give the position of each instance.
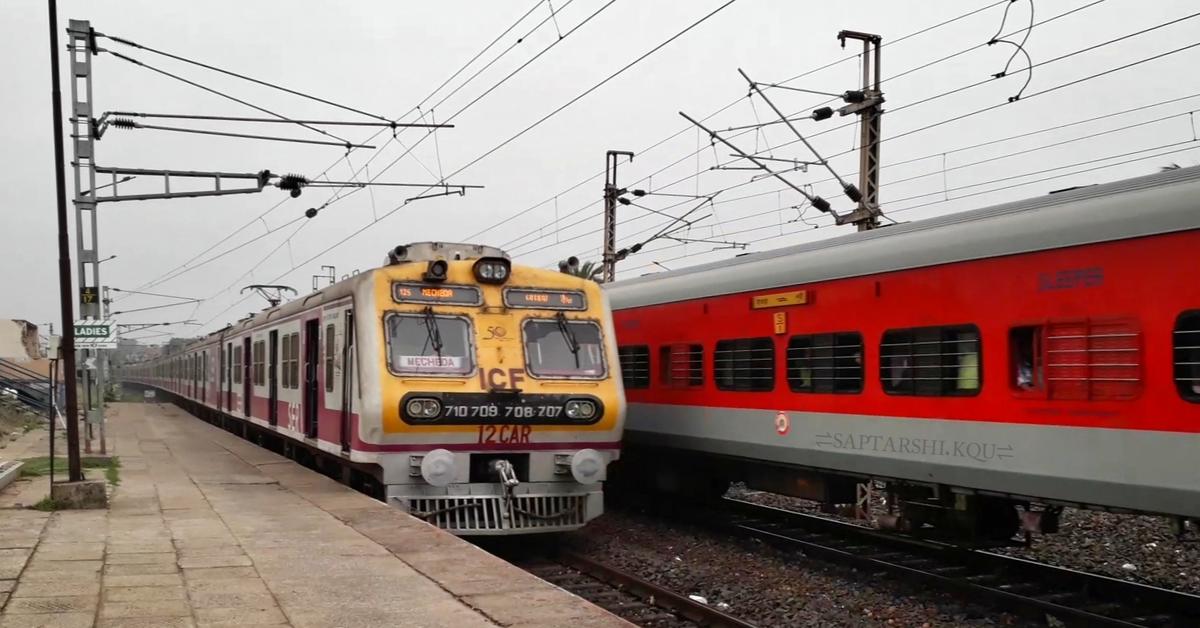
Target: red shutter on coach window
(1093, 359)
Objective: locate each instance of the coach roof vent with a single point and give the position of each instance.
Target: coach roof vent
(430, 251)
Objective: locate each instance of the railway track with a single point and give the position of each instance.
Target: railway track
(1029, 588)
(629, 597)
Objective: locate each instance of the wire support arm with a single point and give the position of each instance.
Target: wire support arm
(851, 191)
(125, 123)
(260, 180)
(816, 201)
(189, 116)
(133, 44)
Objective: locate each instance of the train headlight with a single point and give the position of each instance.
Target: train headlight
(492, 270)
(587, 466)
(423, 408)
(580, 409)
(437, 468)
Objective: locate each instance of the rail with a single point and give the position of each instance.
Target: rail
(625, 595)
(1027, 587)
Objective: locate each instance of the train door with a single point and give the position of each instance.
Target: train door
(246, 373)
(311, 396)
(228, 377)
(204, 377)
(273, 378)
(347, 378)
(222, 373)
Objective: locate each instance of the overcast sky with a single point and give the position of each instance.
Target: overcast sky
(387, 57)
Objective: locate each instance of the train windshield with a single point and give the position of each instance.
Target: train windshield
(558, 347)
(429, 344)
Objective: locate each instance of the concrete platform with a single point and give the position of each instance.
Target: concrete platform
(206, 529)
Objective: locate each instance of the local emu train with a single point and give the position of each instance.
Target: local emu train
(481, 396)
(990, 366)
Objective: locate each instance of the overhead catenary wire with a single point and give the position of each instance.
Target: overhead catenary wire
(951, 151)
(222, 94)
(1027, 97)
(844, 59)
(523, 131)
(127, 42)
(721, 110)
(122, 123)
(424, 194)
(1172, 148)
(280, 203)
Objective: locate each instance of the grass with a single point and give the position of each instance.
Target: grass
(37, 467)
(49, 504)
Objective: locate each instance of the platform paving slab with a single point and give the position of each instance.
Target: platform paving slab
(207, 529)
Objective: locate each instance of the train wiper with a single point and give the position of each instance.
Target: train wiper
(433, 334)
(568, 335)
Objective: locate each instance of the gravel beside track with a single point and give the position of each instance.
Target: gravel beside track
(1093, 541)
(764, 585)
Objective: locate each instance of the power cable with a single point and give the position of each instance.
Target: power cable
(522, 132)
(328, 168)
(1173, 146)
(206, 66)
(224, 95)
(730, 105)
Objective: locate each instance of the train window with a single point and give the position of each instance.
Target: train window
(285, 362)
(1187, 355)
(635, 366)
(428, 344)
(1092, 359)
(826, 363)
(745, 364)
(1027, 362)
(931, 361)
(329, 349)
(237, 365)
(258, 364)
(294, 366)
(562, 347)
(681, 366)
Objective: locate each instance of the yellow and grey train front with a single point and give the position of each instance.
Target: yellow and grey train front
(500, 397)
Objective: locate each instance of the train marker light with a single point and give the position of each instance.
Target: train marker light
(580, 409)
(587, 466)
(492, 270)
(436, 271)
(437, 468)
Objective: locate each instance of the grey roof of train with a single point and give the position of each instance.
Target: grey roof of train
(1096, 213)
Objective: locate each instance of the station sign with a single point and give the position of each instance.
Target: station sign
(94, 334)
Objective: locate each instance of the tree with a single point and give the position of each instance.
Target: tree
(587, 270)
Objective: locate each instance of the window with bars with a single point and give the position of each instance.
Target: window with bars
(931, 361)
(237, 365)
(330, 339)
(258, 367)
(1186, 341)
(681, 365)
(1093, 359)
(826, 363)
(744, 365)
(635, 365)
(295, 366)
(285, 362)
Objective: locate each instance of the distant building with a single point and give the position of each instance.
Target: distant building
(19, 340)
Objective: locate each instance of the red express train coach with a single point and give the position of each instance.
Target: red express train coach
(990, 366)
